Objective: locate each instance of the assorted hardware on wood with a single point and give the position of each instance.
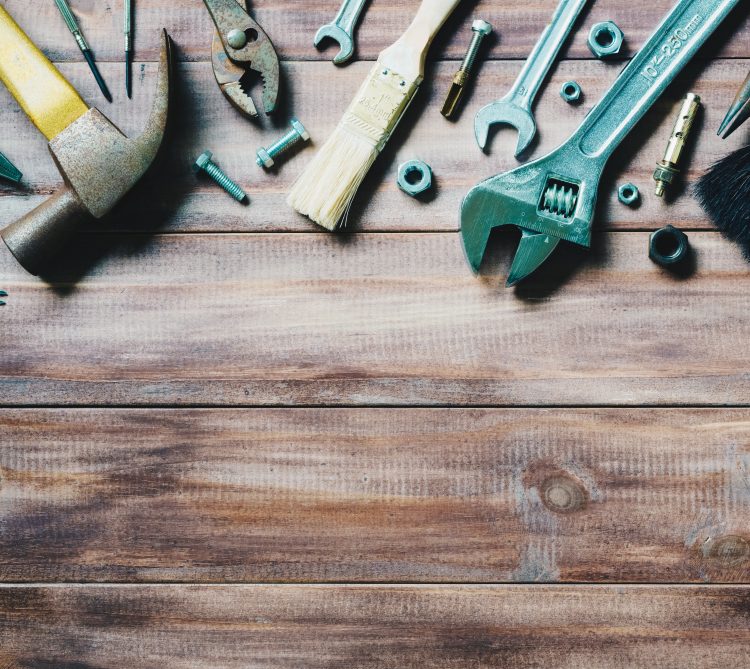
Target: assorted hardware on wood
(571, 92)
(9, 171)
(241, 45)
(341, 29)
(98, 163)
(724, 194)
(480, 30)
(75, 30)
(668, 247)
(204, 163)
(325, 190)
(739, 110)
(414, 177)
(669, 167)
(515, 108)
(629, 194)
(605, 39)
(555, 196)
(267, 157)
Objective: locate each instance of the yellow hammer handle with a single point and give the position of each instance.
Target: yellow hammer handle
(44, 94)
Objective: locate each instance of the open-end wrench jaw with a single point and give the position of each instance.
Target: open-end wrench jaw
(505, 112)
(341, 37)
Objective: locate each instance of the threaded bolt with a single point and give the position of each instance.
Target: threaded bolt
(266, 157)
(480, 29)
(205, 164)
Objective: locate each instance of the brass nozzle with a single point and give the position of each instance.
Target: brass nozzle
(668, 168)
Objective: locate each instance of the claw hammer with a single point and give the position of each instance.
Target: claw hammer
(97, 162)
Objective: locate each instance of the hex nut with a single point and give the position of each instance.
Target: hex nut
(628, 194)
(414, 177)
(570, 91)
(304, 135)
(605, 39)
(481, 27)
(264, 158)
(668, 246)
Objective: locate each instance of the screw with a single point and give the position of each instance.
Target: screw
(480, 29)
(205, 164)
(295, 135)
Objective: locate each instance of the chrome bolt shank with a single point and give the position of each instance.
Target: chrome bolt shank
(204, 163)
(267, 157)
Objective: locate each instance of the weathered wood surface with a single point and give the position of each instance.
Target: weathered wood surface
(173, 199)
(440, 495)
(338, 627)
(372, 319)
(292, 26)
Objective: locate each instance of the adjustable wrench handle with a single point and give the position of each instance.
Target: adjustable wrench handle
(526, 86)
(674, 42)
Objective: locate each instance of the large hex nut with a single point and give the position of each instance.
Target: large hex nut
(605, 39)
(668, 246)
(414, 177)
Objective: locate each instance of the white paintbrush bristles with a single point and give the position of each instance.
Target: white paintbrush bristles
(325, 190)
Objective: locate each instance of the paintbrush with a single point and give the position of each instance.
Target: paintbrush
(724, 194)
(326, 188)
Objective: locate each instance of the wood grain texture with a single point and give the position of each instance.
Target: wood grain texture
(339, 627)
(171, 198)
(440, 495)
(292, 25)
(363, 319)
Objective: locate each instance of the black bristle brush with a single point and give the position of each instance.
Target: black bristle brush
(724, 194)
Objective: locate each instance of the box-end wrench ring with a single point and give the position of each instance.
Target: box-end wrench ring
(341, 30)
(515, 108)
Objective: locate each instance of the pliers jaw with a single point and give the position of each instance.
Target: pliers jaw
(239, 46)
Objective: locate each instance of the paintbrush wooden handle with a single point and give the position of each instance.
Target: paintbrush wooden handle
(407, 55)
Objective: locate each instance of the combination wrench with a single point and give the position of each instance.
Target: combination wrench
(554, 198)
(341, 30)
(515, 108)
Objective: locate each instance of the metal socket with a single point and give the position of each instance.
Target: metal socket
(605, 39)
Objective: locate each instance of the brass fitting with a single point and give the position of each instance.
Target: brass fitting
(668, 168)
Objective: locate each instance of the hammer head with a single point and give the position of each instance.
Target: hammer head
(99, 166)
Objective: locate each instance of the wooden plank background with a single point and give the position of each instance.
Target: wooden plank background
(230, 439)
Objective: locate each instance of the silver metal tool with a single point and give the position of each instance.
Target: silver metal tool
(341, 30)
(75, 30)
(480, 30)
(515, 108)
(553, 198)
(9, 171)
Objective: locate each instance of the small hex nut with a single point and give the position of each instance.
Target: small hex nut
(628, 194)
(481, 27)
(668, 246)
(570, 91)
(304, 135)
(263, 158)
(414, 177)
(605, 39)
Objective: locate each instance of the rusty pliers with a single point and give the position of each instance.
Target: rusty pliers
(240, 45)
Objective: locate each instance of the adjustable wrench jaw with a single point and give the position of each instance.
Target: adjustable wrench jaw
(542, 199)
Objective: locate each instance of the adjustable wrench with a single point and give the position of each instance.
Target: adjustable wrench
(554, 197)
(341, 29)
(515, 108)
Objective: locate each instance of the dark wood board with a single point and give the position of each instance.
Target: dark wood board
(408, 495)
(340, 627)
